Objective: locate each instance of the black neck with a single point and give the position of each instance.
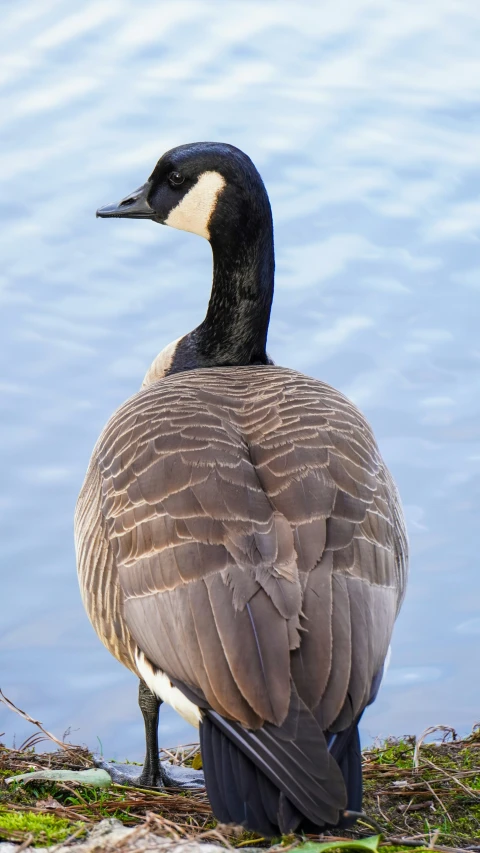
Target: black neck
(236, 324)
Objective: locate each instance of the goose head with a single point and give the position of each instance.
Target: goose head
(207, 188)
(214, 190)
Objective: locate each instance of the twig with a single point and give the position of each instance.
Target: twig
(430, 731)
(434, 794)
(70, 838)
(215, 833)
(380, 810)
(30, 719)
(25, 843)
(170, 754)
(470, 791)
(291, 846)
(408, 842)
(250, 842)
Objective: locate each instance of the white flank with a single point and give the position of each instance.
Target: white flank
(194, 211)
(160, 684)
(160, 364)
(388, 658)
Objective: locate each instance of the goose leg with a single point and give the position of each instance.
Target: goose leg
(151, 775)
(158, 773)
(155, 773)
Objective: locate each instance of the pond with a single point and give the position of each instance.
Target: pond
(363, 118)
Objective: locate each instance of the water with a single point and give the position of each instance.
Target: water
(363, 117)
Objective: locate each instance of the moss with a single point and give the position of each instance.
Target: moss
(197, 761)
(44, 829)
(397, 753)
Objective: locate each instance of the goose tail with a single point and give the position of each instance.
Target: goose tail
(275, 785)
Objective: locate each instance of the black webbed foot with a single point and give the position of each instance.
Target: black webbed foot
(176, 776)
(167, 776)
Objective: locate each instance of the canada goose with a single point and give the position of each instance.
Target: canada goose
(240, 541)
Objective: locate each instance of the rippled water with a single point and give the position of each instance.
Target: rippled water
(363, 117)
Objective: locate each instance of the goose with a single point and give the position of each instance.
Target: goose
(240, 541)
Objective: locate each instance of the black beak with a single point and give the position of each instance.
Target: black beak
(134, 206)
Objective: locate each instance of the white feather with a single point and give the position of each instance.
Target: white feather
(160, 684)
(388, 658)
(160, 364)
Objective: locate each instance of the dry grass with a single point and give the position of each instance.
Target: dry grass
(417, 794)
(77, 802)
(415, 789)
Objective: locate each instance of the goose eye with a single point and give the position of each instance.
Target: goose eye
(175, 179)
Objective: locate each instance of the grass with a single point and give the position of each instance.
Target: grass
(424, 788)
(417, 794)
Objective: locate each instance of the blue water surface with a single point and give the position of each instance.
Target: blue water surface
(364, 120)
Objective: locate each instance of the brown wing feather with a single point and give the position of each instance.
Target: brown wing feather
(250, 532)
(312, 661)
(97, 571)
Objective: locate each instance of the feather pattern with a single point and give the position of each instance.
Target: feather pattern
(240, 527)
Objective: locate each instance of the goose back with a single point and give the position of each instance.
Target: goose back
(240, 527)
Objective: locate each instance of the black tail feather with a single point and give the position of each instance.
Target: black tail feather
(258, 811)
(238, 793)
(295, 758)
(241, 792)
(347, 752)
(209, 739)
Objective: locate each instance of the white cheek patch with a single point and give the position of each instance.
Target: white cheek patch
(194, 211)
(161, 364)
(160, 684)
